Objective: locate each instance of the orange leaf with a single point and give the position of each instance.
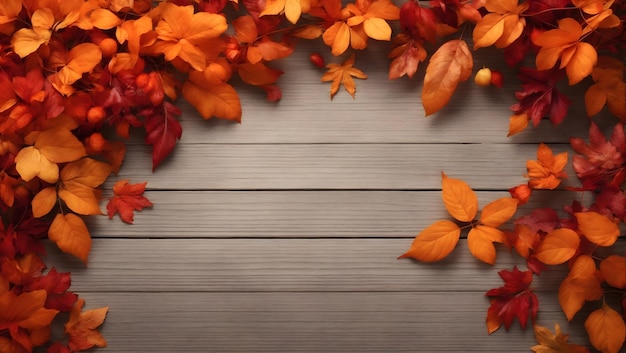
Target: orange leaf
(337, 37)
(580, 285)
(44, 201)
(343, 75)
(547, 171)
(480, 241)
(606, 329)
(517, 123)
(30, 163)
(406, 53)
(81, 327)
(71, 235)
(452, 63)
(557, 343)
(78, 181)
(525, 240)
(613, 269)
(212, 98)
(609, 88)
(459, 199)
(558, 246)
(292, 9)
(81, 59)
(258, 74)
(59, 145)
(104, 19)
(498, 211)
(435, 242)
(597, 228)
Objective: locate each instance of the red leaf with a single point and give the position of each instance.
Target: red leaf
(162, 133)
(513, 300)
(541, 219)
(128, 198)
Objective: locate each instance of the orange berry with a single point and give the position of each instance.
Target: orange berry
(95, 143)
(108, 47)
(96, 114)
(483, 77)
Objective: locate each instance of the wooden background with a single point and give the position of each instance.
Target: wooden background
(281, 234)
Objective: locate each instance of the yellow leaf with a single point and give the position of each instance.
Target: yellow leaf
(71, 235)
(44, 201)
(613, 269)
(343, 75)
(452, 63)
(459, 199)
(558, 246)
(377, 28)
(498, 211)
(480, 241)
(606, 329)
(435, 242)
(597, 228)
(104, 19)
(30, 163)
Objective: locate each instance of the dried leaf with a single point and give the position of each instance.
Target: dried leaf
(81, 327)
(513, 300)
(127, 199)
(554, 343)
(343, 75)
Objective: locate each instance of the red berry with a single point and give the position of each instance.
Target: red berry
(497, 79)
(317, 60)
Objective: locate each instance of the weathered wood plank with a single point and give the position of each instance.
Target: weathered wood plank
(296, 214)
(312, 322)
(261, 265)
(332, 166)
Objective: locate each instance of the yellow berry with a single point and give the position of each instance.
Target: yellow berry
(483, 77)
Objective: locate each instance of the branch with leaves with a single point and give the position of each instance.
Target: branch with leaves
(77, 75)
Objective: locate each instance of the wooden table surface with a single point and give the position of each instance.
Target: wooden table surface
(281, 234)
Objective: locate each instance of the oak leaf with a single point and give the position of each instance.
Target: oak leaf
(558, 246)
(578, 58)
(502, 25)
(606, 329)
(547, 171)
(580, 285)
(71, 235)
(597, 228)
(435, 242)
(513, 300)
(343, 75)
(82, 327)
(451, 64)
(554, 343)
(613, 269)
(127, 199)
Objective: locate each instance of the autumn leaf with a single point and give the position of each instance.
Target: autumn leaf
(127, 199)
(71, 235)
(495, 213)
(181, 32)
(502, 25)
(212, 97)
(554, 343)
(597, 228)
(459, 199)
(558, 246)
(343, 75)
(613, 269)
(547, 171)
(82, 327)
(373, 15)
(606, 329)
(435, 242)
(292, 9)
(162, 132)
(609, 88)
(513, 300)
(79, 181)
(406, 54)
(578, 58)
(451, 64)
(580, 285)
(81, 59)
(480, 241)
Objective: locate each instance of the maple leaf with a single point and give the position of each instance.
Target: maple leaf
(580, 285)
(71, 235)
(554, 343)
(502, 25)
(547, 171)
(606, 329)
(82, 327)
(513, 300)
(162, 132)
(292, 9)
(609, 88)
(181, 32)
(539, 97)
(451, 64)
(127, 199)
(600, 163)
(343, 75)
(578, 58)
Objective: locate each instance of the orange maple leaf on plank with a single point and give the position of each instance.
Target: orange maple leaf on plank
(606, 329)
(502, 25)
(564, 44)
(82, 327)
(70, 234)
(547, 171)
(128, 198)
(292, 9)
(451, 64)
(343, 75)
(181, 32)
(554, 343)
(580, 285)
(609, 88)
